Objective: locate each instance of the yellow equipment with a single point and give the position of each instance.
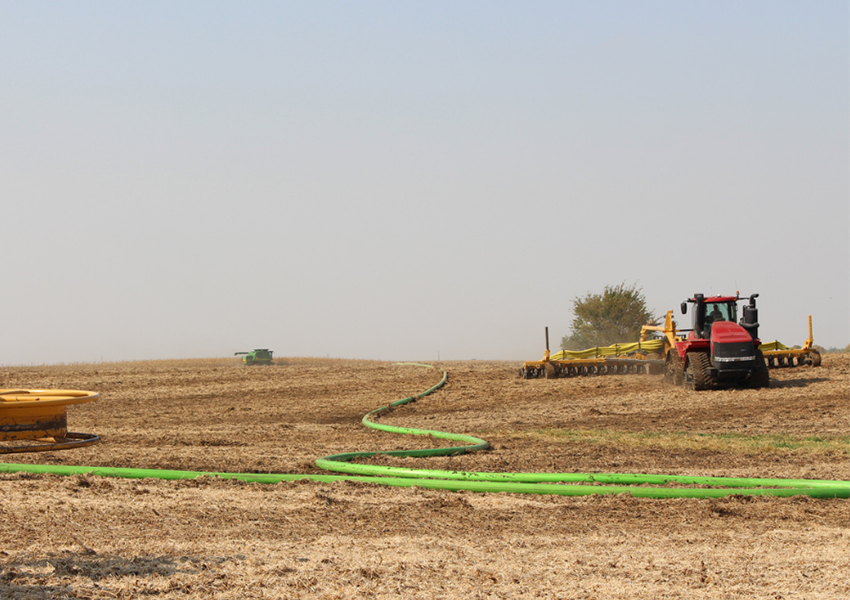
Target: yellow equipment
(673, 369)
(617, 359)
(39, 416)
(780, 355)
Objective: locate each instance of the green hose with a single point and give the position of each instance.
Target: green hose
(525, 483)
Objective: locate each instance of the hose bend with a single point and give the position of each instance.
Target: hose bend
(564, 484)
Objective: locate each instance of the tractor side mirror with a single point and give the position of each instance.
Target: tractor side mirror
(684, 308)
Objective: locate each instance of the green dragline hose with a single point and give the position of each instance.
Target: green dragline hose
(564, 484)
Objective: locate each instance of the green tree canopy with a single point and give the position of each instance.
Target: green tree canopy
(613, 317)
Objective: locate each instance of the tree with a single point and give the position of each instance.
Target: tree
(614, 316)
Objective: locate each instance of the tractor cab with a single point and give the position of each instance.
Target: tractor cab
(708, 311)
(714, 309)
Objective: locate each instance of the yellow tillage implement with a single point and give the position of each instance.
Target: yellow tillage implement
(617, 359)
(780, 355)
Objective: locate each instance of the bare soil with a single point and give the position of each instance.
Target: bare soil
(94, 537)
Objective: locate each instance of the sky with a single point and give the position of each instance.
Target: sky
(412, 180)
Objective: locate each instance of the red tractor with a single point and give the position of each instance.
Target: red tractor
(717, 352)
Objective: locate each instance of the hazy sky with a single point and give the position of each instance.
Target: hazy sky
(412, 180)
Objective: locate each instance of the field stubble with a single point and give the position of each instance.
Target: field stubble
(92, 537)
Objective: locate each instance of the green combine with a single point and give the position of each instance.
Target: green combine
(258, 356)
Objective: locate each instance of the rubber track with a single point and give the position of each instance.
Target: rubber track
(697, 373)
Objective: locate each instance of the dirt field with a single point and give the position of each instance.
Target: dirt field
(93, 537)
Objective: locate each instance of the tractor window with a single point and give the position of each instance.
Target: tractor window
(721, 311)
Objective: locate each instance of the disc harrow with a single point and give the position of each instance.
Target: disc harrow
(779, 355)
(585, 367)
(617, 359)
